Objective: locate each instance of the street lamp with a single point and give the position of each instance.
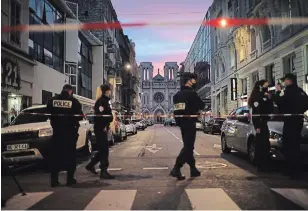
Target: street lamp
(128, 66)
(223, 23)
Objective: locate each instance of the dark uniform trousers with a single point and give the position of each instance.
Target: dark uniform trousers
(188, 130)
(291, 145)
(103, 149)
(262, 145)
(63, 152)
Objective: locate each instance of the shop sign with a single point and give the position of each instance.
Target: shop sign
(233, 89)
(10, 73)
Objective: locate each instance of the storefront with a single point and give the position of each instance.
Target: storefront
(17, 70)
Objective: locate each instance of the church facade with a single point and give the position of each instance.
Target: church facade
(157, 91)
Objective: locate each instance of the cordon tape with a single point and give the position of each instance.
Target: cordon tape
(216, 22)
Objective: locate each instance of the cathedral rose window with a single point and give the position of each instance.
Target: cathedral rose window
(159, 97)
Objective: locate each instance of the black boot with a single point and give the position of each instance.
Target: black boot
(194, 172)
(176, 172)
(105, 174)
(70, 178)
(91, 169)
(54, 180)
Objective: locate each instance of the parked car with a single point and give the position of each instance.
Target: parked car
(138, 123)
(150, 122)
(93, 138)
(118, 128)
(199, 125)
(238, 133)
(213, 126)
(144, 122)
(170, 122)
(130, 126)
(27, 138)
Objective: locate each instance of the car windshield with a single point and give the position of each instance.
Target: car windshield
(31, 116)
(126, 122)
(136, 120)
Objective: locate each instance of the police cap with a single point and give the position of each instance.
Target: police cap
(105, 87)
(290, 76)
(188, 76)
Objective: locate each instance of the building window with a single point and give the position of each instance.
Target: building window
(15, 20)
(85, 70)
(244, 86)
(46, 47)
(232, 56)
(253, 40)
(255, 78)
(46, 96)
(266, 33)
(226, 100)
(270, 75)
(288, 64)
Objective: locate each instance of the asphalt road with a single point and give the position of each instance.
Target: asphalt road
(142, 165)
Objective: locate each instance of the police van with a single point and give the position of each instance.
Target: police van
(28, 137)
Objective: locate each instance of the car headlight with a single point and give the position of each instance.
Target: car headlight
(45, 132)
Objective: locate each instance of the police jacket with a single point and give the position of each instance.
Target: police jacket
(262, 105)
(186, 102)
(62, 108)
(293, 100)
(102, 107)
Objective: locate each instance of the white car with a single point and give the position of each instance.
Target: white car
(130, 127)
(199, 125)
(27, 138)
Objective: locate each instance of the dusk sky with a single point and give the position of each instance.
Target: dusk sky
(161, 44)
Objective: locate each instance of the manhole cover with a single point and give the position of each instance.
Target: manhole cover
(210, 165)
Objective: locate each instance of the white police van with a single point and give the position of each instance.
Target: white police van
(28, 137)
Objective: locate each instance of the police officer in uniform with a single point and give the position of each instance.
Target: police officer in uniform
(101, 127)
(187, 102)
(65, 126)
(261, 104)
(293, 100)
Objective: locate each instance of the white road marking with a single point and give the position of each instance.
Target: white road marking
(195, 152)
(20, 202)
(153, 148)
(297, 196)
(155, 168)
(217, 146)
(114, 169)
(210, 199)
(113, 200)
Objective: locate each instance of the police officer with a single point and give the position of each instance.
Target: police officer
(261, 104)
(293, 100)
(101, 127)
(187, 102)
(65, 126)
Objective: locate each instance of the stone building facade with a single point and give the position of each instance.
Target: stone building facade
(249, 53)
(157, 91)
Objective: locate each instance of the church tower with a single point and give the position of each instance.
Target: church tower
(146, 71)
(171, 70)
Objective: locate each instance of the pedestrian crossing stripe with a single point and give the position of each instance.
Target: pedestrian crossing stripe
(200, 199)
(297, 196)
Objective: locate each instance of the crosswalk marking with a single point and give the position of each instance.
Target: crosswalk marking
(25, 202)
(113, 200)
(297, 196)
(200, 199)
(210, 199)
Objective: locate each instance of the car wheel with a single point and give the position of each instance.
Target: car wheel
(87, 150)
(120, 137)
(224, 146)
(252, 151)
(125, 136)
(212, 132)
(112, 142)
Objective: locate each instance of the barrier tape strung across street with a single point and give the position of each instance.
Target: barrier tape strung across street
(171, 115)
(216, 22)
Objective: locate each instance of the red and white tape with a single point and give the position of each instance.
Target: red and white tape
(167, 116)
(216, 22)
